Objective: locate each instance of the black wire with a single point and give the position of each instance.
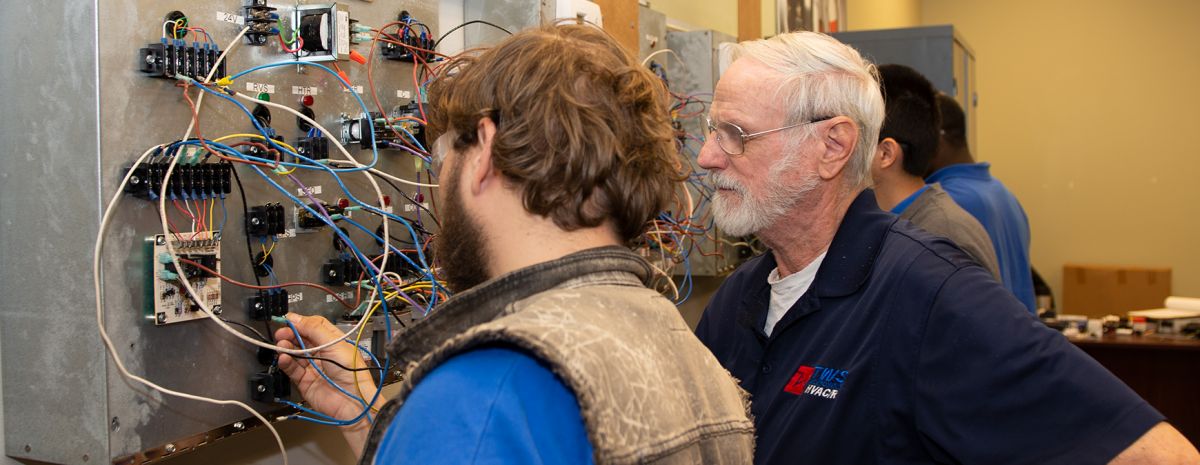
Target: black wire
(250, 251)
(247, 327)
(344, 367)
(410, 200)
(468, 23)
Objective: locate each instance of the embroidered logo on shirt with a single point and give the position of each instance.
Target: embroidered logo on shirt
(817, 381)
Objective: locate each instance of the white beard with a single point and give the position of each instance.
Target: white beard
(742, 213)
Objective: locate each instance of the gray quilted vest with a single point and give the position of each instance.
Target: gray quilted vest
(648, 390)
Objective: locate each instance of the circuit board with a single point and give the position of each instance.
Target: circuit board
(167, 300)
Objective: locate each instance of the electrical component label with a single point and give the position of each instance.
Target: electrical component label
(256, 87)
(310, 190)
(230, 18)
(295, 297)
(301, 90)
(343, 295)
(289, 232)
(408, 207)
(357, 89)
(343, 31)
(404, 94)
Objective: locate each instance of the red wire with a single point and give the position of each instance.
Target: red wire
(277, 286)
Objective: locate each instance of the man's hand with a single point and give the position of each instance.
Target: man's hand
(322, 397)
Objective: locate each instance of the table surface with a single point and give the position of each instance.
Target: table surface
(1148, 341)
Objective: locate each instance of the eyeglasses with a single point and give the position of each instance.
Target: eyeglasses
(732, 139)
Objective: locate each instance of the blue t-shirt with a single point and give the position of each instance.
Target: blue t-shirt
(904, 351)
(488, 406)
(975, 190)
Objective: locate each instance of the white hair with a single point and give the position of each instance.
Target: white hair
(824, 78)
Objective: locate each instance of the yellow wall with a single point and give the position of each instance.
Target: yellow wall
(882, 14)
(1088, 111)
(719, 15)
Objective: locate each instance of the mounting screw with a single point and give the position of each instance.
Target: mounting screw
(333, 273)
(162, 240)
(170, 448)
(161, 317)
(261, 388)
(239, 426)
(255, 221)
(216, 309)
(115, 425)
(134, 180)
(28, 448)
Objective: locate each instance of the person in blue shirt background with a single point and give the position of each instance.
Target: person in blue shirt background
(973, 188)
(553, 151)
(861, 338)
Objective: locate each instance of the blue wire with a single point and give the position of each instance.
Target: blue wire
(300, 341)
(346, 85)
(224, 214)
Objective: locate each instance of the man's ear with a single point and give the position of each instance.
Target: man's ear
(890, 153)
(482, 174)
(838, 138)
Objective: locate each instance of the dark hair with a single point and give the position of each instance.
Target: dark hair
(912, 117)
(582, 127)
(954, 122)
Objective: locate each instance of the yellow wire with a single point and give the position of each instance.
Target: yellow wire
(266, 251)
(212, 205)
(354, 361)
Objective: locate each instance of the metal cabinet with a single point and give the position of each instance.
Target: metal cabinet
(939, 52)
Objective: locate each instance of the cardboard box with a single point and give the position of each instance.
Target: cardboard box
(1099, 290)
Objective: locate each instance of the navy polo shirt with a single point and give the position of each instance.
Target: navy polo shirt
(905, 351)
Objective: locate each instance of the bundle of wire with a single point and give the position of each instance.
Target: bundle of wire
(378, 281)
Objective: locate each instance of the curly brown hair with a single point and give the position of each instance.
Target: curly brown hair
(582, 127)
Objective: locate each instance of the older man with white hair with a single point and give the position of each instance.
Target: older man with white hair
(861, 338)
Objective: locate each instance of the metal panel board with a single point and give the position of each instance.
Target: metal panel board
(652, 31)
(938, 52)
(697, 76)
(79, 112)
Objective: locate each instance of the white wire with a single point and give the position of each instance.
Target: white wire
(401, 180)
(665, 50)
(112, 351)
(188, 286)
(118, 195)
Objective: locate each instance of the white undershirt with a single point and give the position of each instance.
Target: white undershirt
(787, 290)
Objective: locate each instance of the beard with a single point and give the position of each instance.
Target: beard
(739, 212)
(458, 247)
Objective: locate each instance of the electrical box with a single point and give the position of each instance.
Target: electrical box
(941, 53)
(652, 31)
(516, 15)
(109, 86)
(692, 72)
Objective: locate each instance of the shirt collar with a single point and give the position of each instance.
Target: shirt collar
(979, 170)
(903, 205)
(854, 248)
(845, 268)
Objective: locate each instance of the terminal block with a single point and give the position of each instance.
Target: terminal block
(270, 385)
(268, 303)
(260, 22)
(188, 181)
(313, 148)
(266, 220)
(307, 222)
(341, 270)
(418, 45)
(173, 57)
